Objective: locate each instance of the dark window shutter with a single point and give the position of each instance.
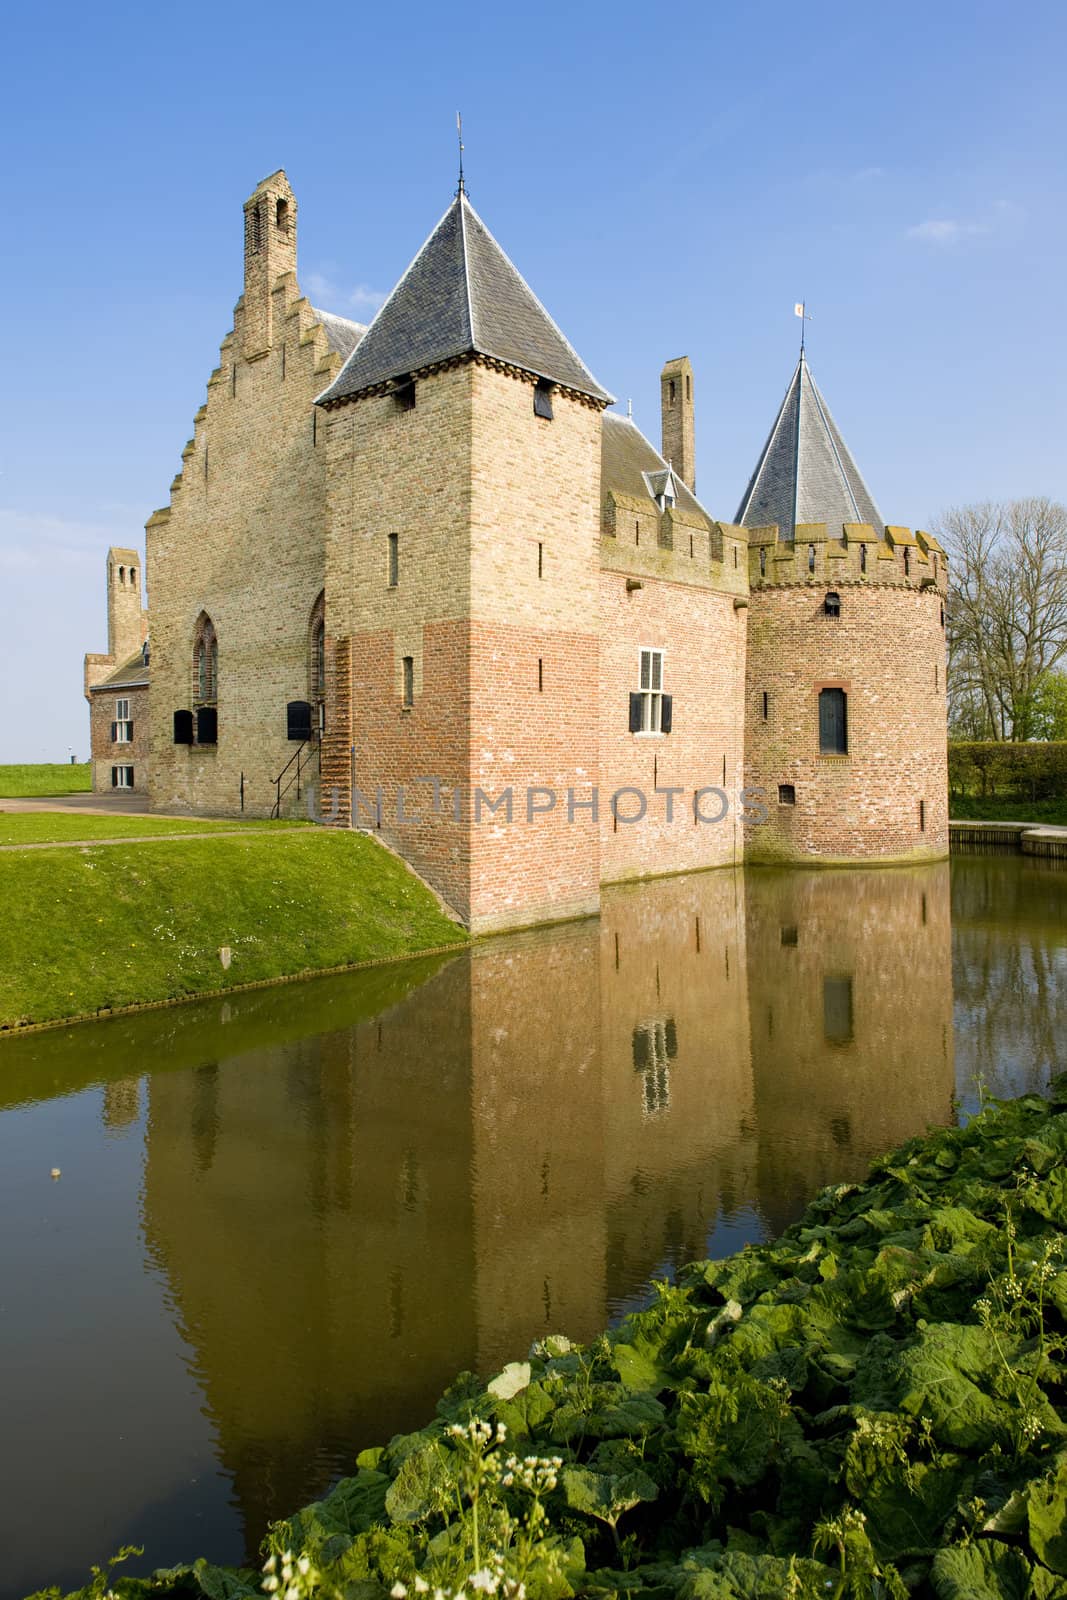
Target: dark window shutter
(114, 777)
(114, 732)
(666, 713)
(207, 725)
(183, 727)
(635, 713)
(833, 726)
(298, 719)
(129, 731)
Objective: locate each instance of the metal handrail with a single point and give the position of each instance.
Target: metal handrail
(276, 809)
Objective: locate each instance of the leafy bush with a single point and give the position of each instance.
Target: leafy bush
(872, 1406)
(1020, 771)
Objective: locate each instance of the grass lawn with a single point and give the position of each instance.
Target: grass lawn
(52, 827)
(24, 782)
(89, 929)
(969, 808)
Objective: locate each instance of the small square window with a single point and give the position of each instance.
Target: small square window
(832, 604)
(787, 794)
(404, 394)
(542, 402)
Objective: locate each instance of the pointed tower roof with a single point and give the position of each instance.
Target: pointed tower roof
(461, 296)
(805, 472)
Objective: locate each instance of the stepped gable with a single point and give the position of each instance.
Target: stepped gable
(806, 473)
(461, 296)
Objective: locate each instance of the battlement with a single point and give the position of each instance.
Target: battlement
(859, 554)
(674, 544)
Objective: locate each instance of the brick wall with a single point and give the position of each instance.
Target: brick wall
(244, 539)
(887, 650)
(105, 752)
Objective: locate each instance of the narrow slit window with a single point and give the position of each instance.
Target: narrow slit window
(766, 704)
(540, 674)
(540, 559)
(281, 216)
(907, 562)
(409, 680)
(863, 558)
(811, 558)
(394, 560)
(671, 393)
(922, 816)
(763, 561)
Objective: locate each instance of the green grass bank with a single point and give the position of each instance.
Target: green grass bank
(27, 781)
(107, 926)
(70, 827)
(871, 1406)
(973, 808)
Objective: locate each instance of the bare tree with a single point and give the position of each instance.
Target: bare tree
(1007, 612)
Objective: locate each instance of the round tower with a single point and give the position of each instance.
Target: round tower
(845, 716)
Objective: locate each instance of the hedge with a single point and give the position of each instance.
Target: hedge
(990, 769)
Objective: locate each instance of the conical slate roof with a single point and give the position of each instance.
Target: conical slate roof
(461, 296)
(806, 472)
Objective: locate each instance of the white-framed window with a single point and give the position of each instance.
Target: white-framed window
(651, 691)
(122, 777)
(123, 725)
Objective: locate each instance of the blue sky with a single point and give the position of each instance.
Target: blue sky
(900, 168)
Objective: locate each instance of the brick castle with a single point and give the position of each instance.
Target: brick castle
(424, 571)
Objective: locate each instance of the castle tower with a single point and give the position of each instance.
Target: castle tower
(270, 250)
(464, 440)
(676, 410)
(845, 712)
(126, 623)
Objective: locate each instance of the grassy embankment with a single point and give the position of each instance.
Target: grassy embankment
(971, 808)
(872, 1406)
(27, 781)
(105, 926)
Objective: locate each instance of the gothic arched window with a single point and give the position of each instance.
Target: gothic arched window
(317, 651)
(205, 662)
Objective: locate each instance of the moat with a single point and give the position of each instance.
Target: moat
(286, 1220)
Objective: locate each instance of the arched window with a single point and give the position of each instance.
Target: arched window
(317, 651)
(205, 662)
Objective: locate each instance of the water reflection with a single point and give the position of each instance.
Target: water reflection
(354, 1189)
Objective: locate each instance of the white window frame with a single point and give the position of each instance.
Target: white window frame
(122, 777)
(122, 721)
(651, 691)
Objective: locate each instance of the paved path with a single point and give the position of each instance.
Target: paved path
(91, 805)
(153, 838)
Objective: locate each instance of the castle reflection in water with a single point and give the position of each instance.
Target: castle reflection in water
(352, 1206)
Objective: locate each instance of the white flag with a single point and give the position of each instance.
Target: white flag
(798, 309)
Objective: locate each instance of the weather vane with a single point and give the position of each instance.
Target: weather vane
(799, 310)
(459, 134)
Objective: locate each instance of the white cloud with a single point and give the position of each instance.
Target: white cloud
(331, 296)
(944, 232)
